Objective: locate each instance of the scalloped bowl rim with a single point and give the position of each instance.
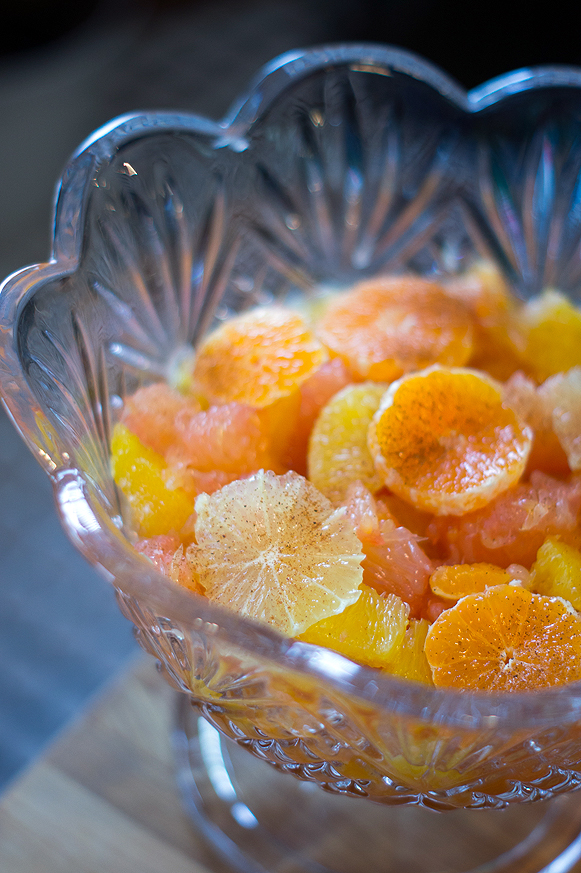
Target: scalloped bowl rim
(466, 710)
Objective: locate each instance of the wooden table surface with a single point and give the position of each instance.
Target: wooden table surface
(103, 798)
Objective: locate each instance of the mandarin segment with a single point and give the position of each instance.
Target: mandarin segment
(562, 394)
(444, 440)
(338, 452)
(451, 582)
(273, 548)
(257, 357)
(410, 660)
(371, 631)
(389, 326)
(505, 639)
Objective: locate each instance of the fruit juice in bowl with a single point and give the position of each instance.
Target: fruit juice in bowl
(344, 521)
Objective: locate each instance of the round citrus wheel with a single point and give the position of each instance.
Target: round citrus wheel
(505, 639)
(274, 548)
(257, 358)
(386, 327)
(444, 440)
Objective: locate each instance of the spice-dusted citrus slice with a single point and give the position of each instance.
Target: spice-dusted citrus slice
(513, 527)
(371, 631)
(140, 474)
(505, 639)
(550, 328)
(451, 582)
(257, 358)
(444, 440)
(386, 327)
(338, 452)
(557, 571)
(273, 548)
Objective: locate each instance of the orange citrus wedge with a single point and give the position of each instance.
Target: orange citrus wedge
(274, 548)
(444, 440)
(389, 326)
(257, 358)
(371, 631)
(451, 582)
(505, 639)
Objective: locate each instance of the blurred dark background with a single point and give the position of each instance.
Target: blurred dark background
(66, 67)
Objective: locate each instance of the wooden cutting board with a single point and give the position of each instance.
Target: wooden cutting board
(103, 798)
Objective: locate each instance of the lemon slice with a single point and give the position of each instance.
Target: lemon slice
(274, 548)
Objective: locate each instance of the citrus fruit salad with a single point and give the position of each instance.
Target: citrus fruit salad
(392, 471)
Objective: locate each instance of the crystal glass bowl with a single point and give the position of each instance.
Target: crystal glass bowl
(337, 164)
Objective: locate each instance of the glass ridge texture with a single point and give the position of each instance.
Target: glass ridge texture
(337, 164)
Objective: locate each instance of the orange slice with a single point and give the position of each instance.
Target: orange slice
(444, 440)
(390, 326)
(273, 548)
(451, 582)
(257, 358)
(338, 452)
(371, 631)
(505, 639)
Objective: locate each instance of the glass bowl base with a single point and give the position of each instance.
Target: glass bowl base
(260, 820)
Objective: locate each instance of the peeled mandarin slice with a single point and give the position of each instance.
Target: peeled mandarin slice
(386, 327)
(139, 473)
(371, 631)
(505, 639)
(451, 582)
(273, 548)
(557, 571)
(257, 357)
(444, 440)
(551, 335)
(338, 452)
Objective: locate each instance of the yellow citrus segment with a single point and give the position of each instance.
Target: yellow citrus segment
(444, 440)
(551, 330)
(371, 631)
(139, 473)
(389, 326)
(505, 639)
(338, 452)
(410, 661)
(451, 582)
(557, 571)
(257, 358)
(273, 548)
